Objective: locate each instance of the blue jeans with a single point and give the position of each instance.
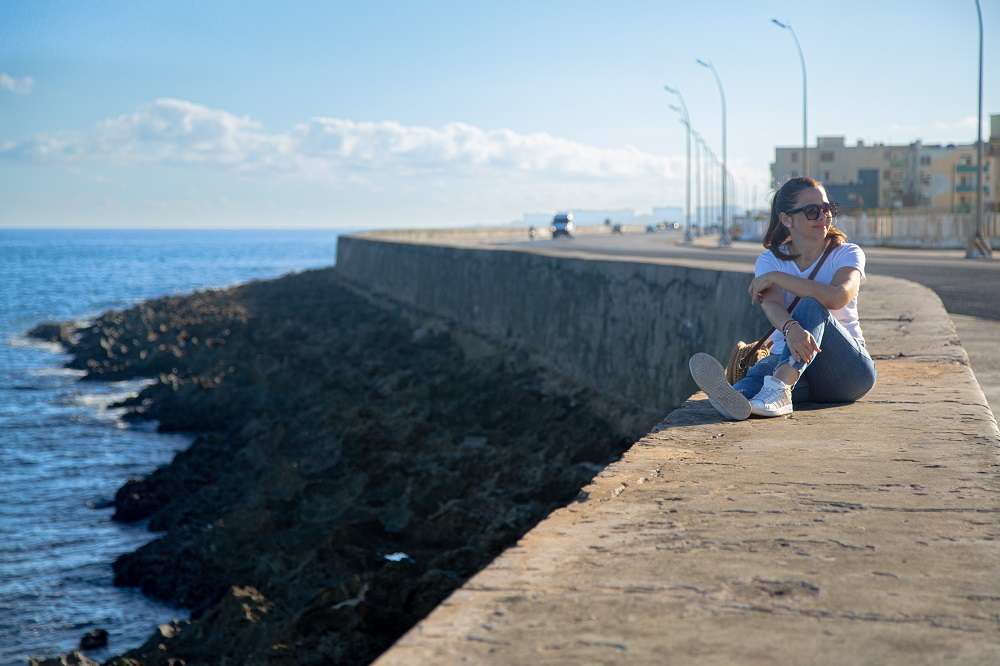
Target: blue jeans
(842, 372)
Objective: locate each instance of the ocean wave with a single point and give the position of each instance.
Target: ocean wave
(56, 372)
(34, 343)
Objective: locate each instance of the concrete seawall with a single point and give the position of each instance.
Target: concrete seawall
(623, 328)
(866, 533)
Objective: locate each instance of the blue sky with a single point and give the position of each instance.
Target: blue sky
(385, 114)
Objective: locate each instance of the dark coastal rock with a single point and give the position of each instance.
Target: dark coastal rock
(136, 501)
(94, 640)
(352, 466)
(53, 332)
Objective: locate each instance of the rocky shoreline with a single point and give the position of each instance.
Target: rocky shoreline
(353, 464)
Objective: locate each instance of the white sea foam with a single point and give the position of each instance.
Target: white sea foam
(34, 343)
(56, 372)
(108, 393)
(397, 557)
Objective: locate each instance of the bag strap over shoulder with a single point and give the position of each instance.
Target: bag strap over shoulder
(815, 270)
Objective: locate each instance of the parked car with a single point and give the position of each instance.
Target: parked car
(562, 225)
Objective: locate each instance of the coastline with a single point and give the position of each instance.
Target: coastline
(352, 466)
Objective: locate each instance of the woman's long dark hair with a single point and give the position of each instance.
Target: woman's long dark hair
(784, 200)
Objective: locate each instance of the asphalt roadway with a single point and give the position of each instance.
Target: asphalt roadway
(969, 289)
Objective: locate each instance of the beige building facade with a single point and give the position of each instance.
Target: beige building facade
(938, 177)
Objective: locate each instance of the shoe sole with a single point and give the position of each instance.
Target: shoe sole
(711, 378)
(763, 411)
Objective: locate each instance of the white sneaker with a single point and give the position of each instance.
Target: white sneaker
(773, 399)
(711, 378)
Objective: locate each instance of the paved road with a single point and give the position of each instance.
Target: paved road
(966, 287)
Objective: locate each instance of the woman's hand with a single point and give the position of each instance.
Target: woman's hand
(801, 343)
(761, 284)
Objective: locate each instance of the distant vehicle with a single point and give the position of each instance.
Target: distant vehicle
(616, 229)
(562, 225)
(650, 228)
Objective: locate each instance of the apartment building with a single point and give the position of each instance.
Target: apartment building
(940, 177)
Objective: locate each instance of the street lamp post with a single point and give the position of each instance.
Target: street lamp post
(713, 190)
(802, 59)
(697, 179)
(686, 119)
(735, 195)
(979, 246)
(724, 239)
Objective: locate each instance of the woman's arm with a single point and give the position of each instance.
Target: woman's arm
(772, 302)
(841, 291)
(800, 341)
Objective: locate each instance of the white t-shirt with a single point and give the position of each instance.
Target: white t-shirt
(846, 255)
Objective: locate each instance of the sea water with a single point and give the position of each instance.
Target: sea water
(63, 452)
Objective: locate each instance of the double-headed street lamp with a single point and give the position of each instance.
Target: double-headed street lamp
(802, 59)
(724, 239)
(686, 119)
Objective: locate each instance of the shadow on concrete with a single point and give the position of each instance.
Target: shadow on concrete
(697, 412)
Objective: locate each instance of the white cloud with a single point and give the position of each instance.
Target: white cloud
(20, 86)
(171, 131)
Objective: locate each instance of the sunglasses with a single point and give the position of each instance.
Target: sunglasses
(813, 211)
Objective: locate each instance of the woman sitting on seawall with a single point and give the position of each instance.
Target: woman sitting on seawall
(818, 352)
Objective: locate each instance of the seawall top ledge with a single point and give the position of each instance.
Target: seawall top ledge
(469, 235)
(861, 533)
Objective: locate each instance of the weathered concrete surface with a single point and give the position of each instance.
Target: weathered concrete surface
(863, 534)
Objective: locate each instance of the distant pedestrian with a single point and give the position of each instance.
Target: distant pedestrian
(818, 352)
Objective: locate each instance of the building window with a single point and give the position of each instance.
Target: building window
(826, 175)
(925, 160)
(794, 156)
(826, 156)
(795, 174)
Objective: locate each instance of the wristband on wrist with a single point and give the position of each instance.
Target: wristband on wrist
(784, 327)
